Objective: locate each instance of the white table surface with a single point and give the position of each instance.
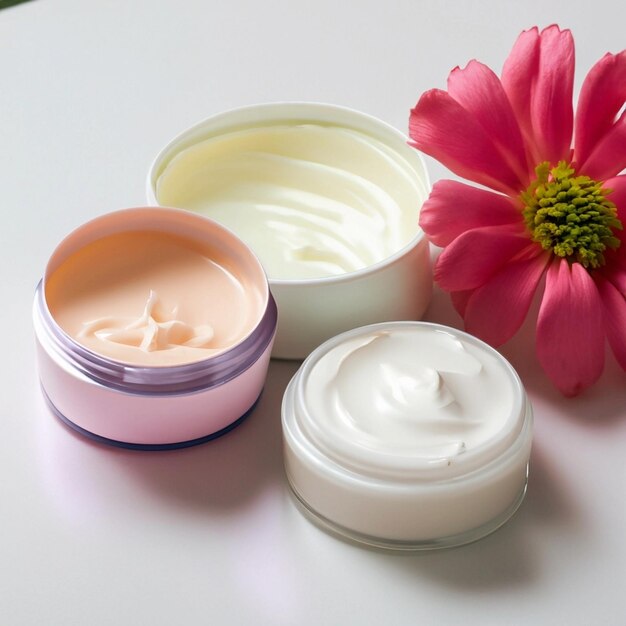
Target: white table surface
(89, 92)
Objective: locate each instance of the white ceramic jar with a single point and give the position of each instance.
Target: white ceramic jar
(407, 435)
(327, 197)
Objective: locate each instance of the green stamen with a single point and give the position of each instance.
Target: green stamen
(570, 215)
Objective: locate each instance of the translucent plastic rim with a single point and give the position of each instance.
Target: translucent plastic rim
(188, 377)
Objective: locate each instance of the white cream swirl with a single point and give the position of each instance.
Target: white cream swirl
(310, 200)
(407, 393)
(154, 329)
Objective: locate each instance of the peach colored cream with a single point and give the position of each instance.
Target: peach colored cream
(153, 298)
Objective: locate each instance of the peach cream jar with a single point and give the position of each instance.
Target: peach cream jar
(407, 435)
(154, 329)
(329, 200)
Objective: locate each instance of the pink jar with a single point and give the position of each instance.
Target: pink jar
(148, 407)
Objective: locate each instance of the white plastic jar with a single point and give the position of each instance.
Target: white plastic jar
(329, 200)
(407, 435)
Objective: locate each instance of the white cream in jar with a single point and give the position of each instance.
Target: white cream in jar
(407, 435)
(311, 200)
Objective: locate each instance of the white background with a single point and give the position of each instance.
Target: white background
(90, 90)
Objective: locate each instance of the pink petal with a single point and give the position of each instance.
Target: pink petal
(442, 128)
(551, 109)
(601, 97)
(538, 77)
(617, 184)
(617, 276)
(518, 77)
(570, 334)
(496, 310)
(615, 318)
(609, 154)
(460, 300)
(478, 90)
(452, 208)
(476, 255)
(615, 270)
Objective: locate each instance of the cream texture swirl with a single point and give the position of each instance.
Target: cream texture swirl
(422, 396)
(310, 200)
(155, 329)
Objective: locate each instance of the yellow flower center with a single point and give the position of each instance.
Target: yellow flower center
(570, 215)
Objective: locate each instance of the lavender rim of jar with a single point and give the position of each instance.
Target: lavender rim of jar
(199, 375)
(188, 377)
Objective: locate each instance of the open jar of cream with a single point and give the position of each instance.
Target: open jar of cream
(154, 329)
(329, 200)
(407, 435)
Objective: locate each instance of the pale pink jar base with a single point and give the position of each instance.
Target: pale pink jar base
(150, 420)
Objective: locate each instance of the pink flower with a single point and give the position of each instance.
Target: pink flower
(552, 217)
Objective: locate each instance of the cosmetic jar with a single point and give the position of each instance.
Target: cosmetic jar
(407, 436)
(153, 329)
(327, 197)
